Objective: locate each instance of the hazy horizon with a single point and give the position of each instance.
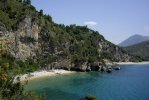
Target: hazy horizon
(116, 20)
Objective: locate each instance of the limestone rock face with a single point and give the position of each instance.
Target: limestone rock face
(33, 41)
(96, 66)
(23, 42)
(115, 52)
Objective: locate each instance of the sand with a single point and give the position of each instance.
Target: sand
(39, 74)
(44, 73)
(126, 63)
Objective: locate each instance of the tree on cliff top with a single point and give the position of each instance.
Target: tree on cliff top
(28, 2)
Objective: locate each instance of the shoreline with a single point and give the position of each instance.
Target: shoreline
(132, 63)
(49, 73)
(40, 74)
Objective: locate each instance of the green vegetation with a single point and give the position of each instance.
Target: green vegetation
(8, 89)
(90, 97)
(17, 67)
(139, 50)
(77, 44)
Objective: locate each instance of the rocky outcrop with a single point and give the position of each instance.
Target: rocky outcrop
(24, 41)
(32, 37)
(96, 66)
(31, 41)
(81, 67)
(112, 51)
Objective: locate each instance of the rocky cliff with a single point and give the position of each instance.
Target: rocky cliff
(37, 38)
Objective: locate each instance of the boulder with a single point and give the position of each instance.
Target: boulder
(103, 69)
(81, 67)
(109, 69)
(96, 66)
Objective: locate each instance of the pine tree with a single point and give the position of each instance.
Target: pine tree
(41, 12)
(28, 2)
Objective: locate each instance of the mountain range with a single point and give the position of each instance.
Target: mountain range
(135, 39)
(140, 50)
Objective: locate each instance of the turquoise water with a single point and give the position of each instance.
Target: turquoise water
(129, 83)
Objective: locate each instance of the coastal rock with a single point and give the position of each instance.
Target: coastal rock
(117, 68)
(103, 69)
(81, 68)
(63, 64)
(96, 66)
(109, 69)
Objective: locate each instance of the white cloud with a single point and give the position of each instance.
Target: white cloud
(90, 23)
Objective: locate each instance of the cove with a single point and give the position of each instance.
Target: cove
(129, 83)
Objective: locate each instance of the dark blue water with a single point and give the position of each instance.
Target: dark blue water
(129, 83)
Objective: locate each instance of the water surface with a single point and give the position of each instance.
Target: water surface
(129, 83)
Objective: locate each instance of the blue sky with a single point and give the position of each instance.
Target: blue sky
(116, 20)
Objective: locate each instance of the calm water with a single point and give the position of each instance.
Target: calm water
(129, 83)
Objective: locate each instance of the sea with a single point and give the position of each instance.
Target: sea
(131, 82)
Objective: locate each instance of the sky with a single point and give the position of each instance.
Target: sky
(116, 20)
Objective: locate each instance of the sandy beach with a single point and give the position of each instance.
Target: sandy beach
(39, 74)
(126, 63)
(44, 73)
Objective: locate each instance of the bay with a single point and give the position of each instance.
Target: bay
(129, 83)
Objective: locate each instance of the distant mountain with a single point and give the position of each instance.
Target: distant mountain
(141, 50)
(135, 39)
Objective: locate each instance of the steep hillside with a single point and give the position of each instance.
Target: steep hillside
(141, 49)
(30, 36)
(135, 39)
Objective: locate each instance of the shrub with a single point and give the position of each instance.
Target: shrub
(90, 97)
